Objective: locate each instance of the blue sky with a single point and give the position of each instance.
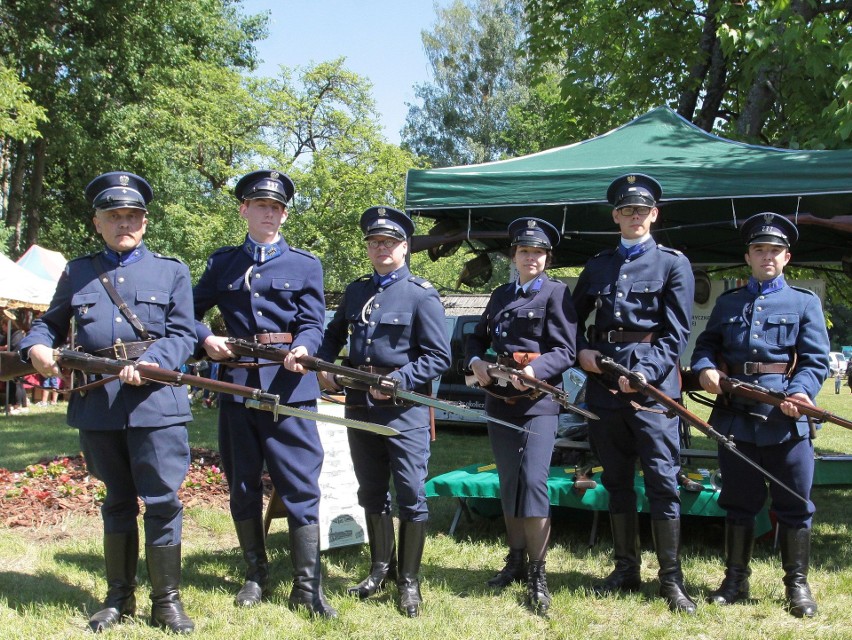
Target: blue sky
(379, 38)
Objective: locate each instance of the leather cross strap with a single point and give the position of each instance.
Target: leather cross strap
(118, 301)
(757, 368)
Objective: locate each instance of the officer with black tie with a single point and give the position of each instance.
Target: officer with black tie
(531, 325)
(272, 293)
(133, 435)
(772, 334)
(394, 322)
(641, 294)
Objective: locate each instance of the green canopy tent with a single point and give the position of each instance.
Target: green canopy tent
(710, 185)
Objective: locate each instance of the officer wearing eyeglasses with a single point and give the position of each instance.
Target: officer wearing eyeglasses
(395, 325)
(641, 293)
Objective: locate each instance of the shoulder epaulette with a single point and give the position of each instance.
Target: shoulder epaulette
(165, 257)
(304, 252)
(364, 278)
(225, 249)
(813, 293)
(669, 250)
(734, 290)
(605, 252)
(420, 281)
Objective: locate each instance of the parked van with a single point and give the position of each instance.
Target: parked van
(837, 362)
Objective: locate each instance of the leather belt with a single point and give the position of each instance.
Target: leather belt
(757, 368)
(124, 350)
(271, 338)
(619, 336)
(382, 371)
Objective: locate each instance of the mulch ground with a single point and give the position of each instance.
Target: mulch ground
(47, 492)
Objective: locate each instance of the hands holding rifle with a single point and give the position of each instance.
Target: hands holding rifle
(480, 370)
(217, 349)
(588, 359)
(44, 359)
(709, 379)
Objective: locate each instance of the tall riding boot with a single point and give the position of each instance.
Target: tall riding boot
(625, 546)
(121, 555)
(795, 559)
(382, 555)
(412, 539)
(251, 536)
(307, 576)
(164, 572)
(538, 596)
(739, 542)
(667, 543)
(515, 570)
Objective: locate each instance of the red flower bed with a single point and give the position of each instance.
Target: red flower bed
(47, 492)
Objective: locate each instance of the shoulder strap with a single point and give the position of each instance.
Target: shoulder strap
(117, 300)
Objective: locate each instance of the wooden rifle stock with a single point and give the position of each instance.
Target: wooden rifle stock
(11, 366)
(758, 393)
(638, 382)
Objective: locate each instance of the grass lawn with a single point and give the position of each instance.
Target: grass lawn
(51, 578)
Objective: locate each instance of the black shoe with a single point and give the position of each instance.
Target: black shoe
(121, 556)
(164, 572)
(795, 559)
(538, 595)
(252, 542)
(739, 542)
(515, 570)
(625, 545)
(412, 539)
(382, 556)
(307, 578)
(667, 544)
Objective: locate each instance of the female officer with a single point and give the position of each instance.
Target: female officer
(531, 325)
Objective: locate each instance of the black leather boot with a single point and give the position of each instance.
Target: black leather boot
(307, 576)
(795, 559)
(667, 543)
(538, 596)
(412, 539)
(251, 536)
(121, 556)
(382, 555)
(625, 547)
(164, 572)
(739, 542)
(515, 570)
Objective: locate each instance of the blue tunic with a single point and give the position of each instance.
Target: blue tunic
(647, 288)
(542, 321)
(133, 437)
(396, 322)
(283, 294)
(767, 323)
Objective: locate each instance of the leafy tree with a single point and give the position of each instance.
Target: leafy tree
(19, 115)
(474, 51)
(767, 72)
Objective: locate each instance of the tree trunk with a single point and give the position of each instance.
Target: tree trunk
(698, 73)
(36, 191)
(16, 196)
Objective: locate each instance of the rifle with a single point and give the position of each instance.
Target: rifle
(357, 379)
(502, 372)
(11, 366)
(638, 382)
(756, 392)
(255, 398)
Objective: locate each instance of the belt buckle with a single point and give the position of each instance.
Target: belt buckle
(119, 350)
(610, 336)
(751, 368)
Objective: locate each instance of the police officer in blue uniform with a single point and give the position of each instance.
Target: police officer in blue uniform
(774, 335)
(531, 325)
(641, 294)
(270, 292)
(133, 435)
(395, 325)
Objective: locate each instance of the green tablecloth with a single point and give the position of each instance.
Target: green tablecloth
(480, 481)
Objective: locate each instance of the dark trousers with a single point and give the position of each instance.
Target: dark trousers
(291, 449)
(404, 458)
(146, 463)
(744, 488)
(622, 436)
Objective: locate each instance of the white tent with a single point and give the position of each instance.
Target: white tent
(20, 288)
